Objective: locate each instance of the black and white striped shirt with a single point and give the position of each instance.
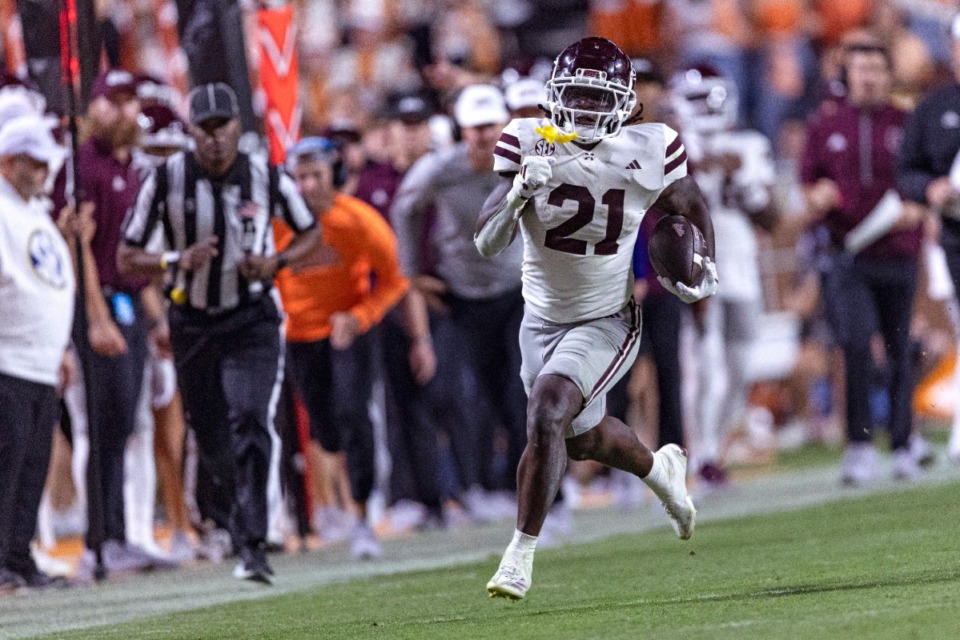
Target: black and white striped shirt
(179, 205)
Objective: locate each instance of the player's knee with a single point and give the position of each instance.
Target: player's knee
(553, 404)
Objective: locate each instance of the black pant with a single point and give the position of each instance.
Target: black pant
(416, 414)
(28, 415)
(113, 390)
(662, 314)
(490, 330)
(336, 387)
(861, 297)
(950, 240)
(228, 370)
(659, 339)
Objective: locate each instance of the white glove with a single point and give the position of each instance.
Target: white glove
(534, 173)
(707, 287)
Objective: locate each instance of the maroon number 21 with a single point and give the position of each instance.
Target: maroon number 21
(558, 238)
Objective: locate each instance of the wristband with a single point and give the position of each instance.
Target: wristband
(418, 339)
(169, 259)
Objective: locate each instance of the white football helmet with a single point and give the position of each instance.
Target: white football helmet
(704, 101)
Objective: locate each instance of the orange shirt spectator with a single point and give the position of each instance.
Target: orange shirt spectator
(779, 17)
(357, 243)
(635, 25)
(837, 18)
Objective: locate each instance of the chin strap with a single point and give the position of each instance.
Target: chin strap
(635, 118)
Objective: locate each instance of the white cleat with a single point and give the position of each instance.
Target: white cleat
(513, 578)
(674, 496)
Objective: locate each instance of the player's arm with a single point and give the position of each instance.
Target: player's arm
(497, 224)
(376, 241)
(916, 180)
(683, 197)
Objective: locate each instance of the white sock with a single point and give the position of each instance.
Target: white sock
(656, 478)
(522, 543)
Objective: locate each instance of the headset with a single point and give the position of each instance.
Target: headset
(319, 149)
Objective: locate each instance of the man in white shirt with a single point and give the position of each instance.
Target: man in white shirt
(37, 288)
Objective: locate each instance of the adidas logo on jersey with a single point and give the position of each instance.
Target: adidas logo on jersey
(634, 166)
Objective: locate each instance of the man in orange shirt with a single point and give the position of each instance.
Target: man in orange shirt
(332, 300)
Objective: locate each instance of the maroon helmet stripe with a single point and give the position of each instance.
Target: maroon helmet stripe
(506, 153)
(673, 147)
(622, 352)
(676, 162)
(513, 141)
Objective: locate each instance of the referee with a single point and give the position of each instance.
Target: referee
(205, 216)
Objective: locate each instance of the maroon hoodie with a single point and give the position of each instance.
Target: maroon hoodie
(857, 148)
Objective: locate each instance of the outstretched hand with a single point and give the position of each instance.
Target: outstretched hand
(707, 287)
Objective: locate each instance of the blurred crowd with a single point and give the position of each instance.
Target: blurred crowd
(418, 421)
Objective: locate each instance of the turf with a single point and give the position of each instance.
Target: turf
(882, 566)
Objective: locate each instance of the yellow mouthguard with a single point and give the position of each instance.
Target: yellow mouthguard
(552, 135)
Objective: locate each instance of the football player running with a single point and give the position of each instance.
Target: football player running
(577, 184)
(734, 169)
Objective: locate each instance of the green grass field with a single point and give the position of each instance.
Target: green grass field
(880, 566)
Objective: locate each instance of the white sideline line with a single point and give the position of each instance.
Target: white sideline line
(133, 598)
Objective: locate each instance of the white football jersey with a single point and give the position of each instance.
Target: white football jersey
(736, 238)
(580, 229)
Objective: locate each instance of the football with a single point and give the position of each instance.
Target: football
(676, 249)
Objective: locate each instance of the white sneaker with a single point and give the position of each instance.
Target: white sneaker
(905, 466)
(406, 515)
(513, 578)
(182, 548)
(331, 523)
(364, 544)
(674, 496)
(921, 451)
(215, 545)
(860, 464)
(477, 503)
(953, 445)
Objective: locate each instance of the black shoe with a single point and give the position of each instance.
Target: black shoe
(9, 581)
(253, 566)
(39, 580)
(433, 520)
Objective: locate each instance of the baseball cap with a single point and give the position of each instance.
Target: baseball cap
(410, 108)
(480, 104)
(212, 100)
(30, 135)
(343, 131)
(162, 128)
(153, 90)
(14, 104)
(113, 83)
(314, 148)
(525, 92)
